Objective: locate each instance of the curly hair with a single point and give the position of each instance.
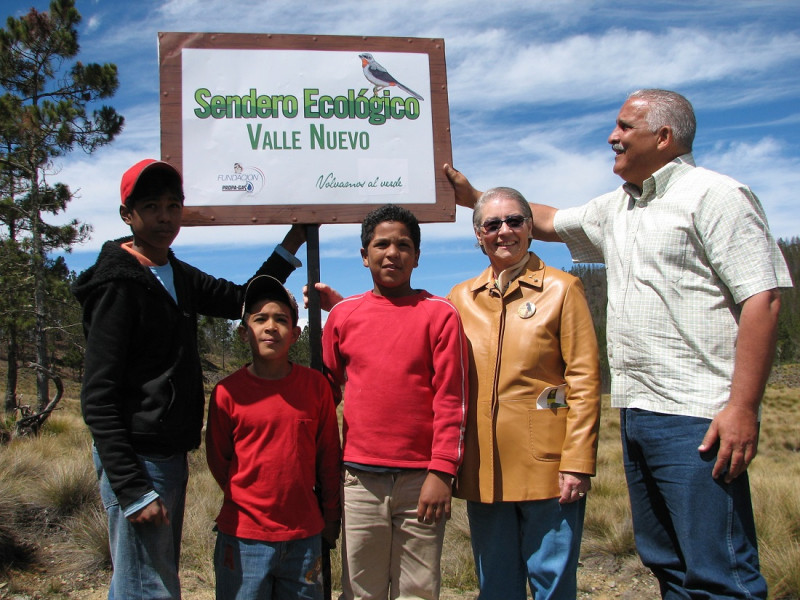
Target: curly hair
(390, 212)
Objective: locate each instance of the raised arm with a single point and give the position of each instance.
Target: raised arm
(328, 297)
(543, 228)
(467, 196)
(295, 237)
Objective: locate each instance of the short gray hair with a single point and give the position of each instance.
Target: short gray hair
(504, 192)
(670, 109)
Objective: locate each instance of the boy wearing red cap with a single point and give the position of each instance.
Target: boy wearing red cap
(142, 394)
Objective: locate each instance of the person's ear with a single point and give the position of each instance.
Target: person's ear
(664, 137)
(125, 214)
(365, 257)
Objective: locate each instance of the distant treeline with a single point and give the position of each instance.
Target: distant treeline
(224, 352)
(788, 347)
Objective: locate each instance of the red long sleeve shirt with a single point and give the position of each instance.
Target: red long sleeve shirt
(403, 362)
(268, 443)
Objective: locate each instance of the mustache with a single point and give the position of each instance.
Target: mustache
(618, 147)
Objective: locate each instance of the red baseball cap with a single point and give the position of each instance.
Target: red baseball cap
(142, 170)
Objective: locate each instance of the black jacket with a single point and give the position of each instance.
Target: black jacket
(143, 386)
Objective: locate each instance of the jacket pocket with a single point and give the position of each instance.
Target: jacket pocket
(152, 414)
(538, 433)
(546, 431)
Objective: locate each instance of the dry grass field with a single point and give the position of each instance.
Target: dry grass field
(53, 538)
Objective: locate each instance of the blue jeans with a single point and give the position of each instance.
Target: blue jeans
(538, 541)
(145, 556)
(257, 570)
(695, 533)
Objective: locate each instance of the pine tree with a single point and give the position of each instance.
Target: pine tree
(593, 278)
(788, 349)
(44, 114)
(300, 353)
(216, 337)
(16, 311)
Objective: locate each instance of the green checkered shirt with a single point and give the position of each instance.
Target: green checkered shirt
(680, 258)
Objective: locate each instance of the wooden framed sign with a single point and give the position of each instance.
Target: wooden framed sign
(269, 128)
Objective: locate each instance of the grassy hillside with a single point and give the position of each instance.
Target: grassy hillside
(53, 533)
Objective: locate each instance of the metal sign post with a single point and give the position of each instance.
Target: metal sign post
(315, 343)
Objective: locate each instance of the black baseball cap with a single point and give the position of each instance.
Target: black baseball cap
(265, 286)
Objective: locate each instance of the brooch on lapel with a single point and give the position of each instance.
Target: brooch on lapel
(526, 310)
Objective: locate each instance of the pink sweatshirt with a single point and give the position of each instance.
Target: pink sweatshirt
(403, 362)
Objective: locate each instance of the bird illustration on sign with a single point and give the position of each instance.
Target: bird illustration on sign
(380, 78)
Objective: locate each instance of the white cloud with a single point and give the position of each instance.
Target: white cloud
(533, 88)
(772, 175)
(499, 69)
(93, 24)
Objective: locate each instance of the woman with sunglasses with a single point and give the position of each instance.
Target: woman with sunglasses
(531, 434)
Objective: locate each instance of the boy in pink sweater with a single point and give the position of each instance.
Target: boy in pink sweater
(402, 356)
(272, 438)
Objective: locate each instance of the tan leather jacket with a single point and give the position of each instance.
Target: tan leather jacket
(537, 340)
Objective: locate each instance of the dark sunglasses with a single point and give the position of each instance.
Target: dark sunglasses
(494, 225)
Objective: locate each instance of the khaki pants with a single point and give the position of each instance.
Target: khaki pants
(386, 552)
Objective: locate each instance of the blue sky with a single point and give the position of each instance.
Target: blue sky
(534, 87)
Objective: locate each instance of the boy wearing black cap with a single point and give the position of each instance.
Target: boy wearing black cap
(272, 438)
(142, 394)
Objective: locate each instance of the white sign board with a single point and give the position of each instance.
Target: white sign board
(320, 129)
